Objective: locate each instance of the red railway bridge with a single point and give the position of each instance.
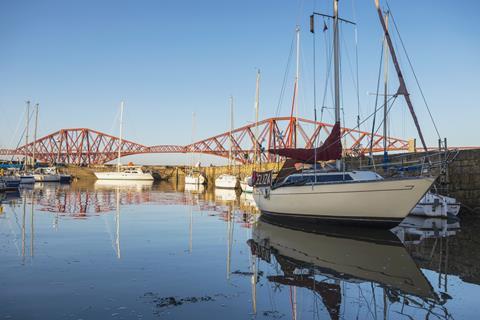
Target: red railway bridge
(82, 146)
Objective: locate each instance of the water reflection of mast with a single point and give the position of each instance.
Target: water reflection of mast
(117, 223)
(23, 226)
(229, 236)
(254, 279)
(190, 243)
(32, 234)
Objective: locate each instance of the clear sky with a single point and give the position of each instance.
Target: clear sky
(167, 59)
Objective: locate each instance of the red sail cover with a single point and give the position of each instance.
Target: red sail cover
(331, 149)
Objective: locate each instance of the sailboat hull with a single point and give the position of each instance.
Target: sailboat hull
(123, 176)
(226, 181)
(195, 179)
(382, 203)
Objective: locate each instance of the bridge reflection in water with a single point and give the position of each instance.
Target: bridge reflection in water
(288, 271)
(80, 201)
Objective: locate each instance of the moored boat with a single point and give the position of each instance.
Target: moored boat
(359, 197)
(302, 191)
(436, 205)
(12, 182)
(195, 178)
(26, 178)
(125, 173)
(65, 178)
(47, 174)
(246, 184)
(227, 181)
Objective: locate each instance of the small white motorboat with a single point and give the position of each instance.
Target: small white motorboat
(48, 174)
(125, 173)
(226, 181)
(246, 184)
(195, 178)
(26, 178)
(436, 205)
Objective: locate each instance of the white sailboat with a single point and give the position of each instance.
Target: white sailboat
(246, 184)
(227, 180)
(26, 177)
(194, 176)
(359, 197)
(124, 172)
(47, 174)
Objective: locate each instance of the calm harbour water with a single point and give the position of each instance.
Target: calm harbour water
(105, 251)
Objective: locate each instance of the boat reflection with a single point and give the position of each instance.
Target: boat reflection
(194, 188)
(225, 195)
(415, 229)
(138, 185)
(9, 197)
(326, 261)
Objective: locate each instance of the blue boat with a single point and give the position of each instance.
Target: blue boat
(11, 182)
(65, 178)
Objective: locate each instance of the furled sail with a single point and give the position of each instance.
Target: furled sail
(331, 149)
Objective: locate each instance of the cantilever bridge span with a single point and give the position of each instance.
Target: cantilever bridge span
(84, 146)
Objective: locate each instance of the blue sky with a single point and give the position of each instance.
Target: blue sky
(167, 59)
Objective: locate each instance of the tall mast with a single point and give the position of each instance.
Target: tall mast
(35, 135)
(257, 98)
(192, 159)
(402, 90)
(231, 132)
(26, 133)
(297, 79)
(120, 140)
(336, 60)
(385, 90)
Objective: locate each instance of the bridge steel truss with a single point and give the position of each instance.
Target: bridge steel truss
(83, 146)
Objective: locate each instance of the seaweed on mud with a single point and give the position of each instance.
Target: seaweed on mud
(162, 302)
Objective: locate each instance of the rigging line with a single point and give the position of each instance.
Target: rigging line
(388, 112)
(332, 79)
(299, 11)
(354, 9)
(23, 134)
(20, 120)
(350, 68)
(305, 88)
(365, 120)
(284, 83)
(376, 99)
(16, 129)
(413, 71)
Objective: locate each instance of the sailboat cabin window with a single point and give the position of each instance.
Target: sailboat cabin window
(307, 179)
